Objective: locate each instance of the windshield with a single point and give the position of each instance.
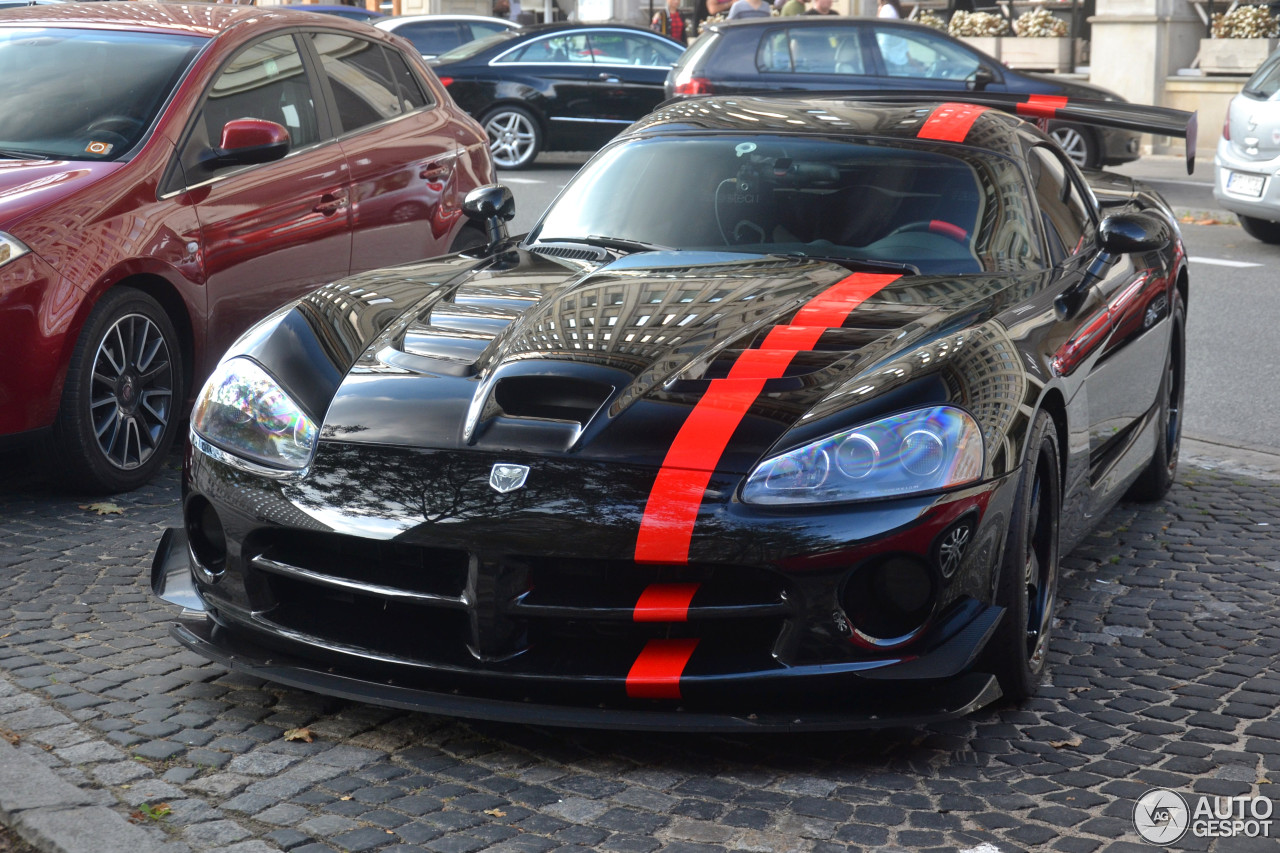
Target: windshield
(1265, 83)
(471, 48)
(84, 94)
(922, 205)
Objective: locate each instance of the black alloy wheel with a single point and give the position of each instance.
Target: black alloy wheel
(1028, 582)
(119, 412)
(1156, 479)
(1261, 229)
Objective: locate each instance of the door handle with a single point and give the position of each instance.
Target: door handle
(330, 203)
(610, 78)
(435, 172)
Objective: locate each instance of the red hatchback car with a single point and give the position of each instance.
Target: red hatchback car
(169, 174)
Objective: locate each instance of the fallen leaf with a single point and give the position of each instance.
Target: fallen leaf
(9, 736)
(103, 508)
(303, 735)
(1059, 744)
(495, 812)
(345, 797)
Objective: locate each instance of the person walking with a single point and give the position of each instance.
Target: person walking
(670, 22)
(888, 9)
(742, 9)
(796, 7)
(822, 7)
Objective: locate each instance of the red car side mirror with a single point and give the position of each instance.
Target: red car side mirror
(246, 141)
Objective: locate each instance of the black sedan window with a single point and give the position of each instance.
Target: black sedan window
(813, 50)
(85, 94)
(572, 47)
(911, 53)
(473, 48)
(936, 210)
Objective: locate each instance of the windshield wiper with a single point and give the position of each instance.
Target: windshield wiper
(854, 263)
(16, 154)
(620, 243)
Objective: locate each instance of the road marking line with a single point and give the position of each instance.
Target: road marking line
(1220, 262)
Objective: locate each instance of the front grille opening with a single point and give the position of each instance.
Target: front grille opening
(557, 398)
(377, 626)
(434, 571)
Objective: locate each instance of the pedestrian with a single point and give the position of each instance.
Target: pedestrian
(501, 8)
(822, 7)
(796, 7)
(670, 22)
(888, 9)
(742, 9)
(514, 14)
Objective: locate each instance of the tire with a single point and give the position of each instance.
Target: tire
(515, 138)
(1261, 229)
(1077, 143)
(1027, 585)
(120, 404)
(1154, 481)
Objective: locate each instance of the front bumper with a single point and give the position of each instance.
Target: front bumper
(839, 698)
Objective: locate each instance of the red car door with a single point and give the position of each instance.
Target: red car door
(401, 150)
(273, 231)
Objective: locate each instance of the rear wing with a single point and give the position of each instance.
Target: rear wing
(1137, 117)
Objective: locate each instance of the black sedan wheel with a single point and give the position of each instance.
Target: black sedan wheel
(1154, 481)
(514, 137)
(1027, 587)
(1261, 229)
(1076, 142)
(124, 386)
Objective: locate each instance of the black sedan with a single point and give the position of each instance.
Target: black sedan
(799, 443)
(557, 87)
(816, 54)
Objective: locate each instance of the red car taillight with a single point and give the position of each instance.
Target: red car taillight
(446, 81)
(694, 86)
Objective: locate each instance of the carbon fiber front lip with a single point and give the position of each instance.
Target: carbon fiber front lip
(909, 704)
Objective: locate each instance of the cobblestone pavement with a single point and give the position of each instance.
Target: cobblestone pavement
(1164, 674)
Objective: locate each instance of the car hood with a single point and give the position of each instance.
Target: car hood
(530, 354)
(29, 185)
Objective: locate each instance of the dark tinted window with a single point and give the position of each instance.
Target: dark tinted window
(813, 50)
(412, 93)
(940, 210)
(361, 79)
(470, 49)
(432, 37)
(1064, 213)
(267, 81)
(85, 94)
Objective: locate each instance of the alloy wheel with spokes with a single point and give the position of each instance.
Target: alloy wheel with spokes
(514, 137)
(1074, 144)
(1040, 572)
(131, 395)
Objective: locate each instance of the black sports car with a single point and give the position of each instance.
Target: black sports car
(781, 416)
(557, 87)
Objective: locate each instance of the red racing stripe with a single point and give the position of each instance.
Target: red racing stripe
(1042, 106)
(665, 602)
(656, 673)
(672, 507)
(950, 122)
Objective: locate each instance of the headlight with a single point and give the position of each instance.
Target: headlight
(11, 248)
(243, 411)
(921, 451)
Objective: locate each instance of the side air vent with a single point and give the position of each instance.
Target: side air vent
(574, 253)
(558, 398)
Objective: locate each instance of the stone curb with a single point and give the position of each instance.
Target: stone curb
(57, 817)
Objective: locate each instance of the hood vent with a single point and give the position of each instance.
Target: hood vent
(574, 253)
(557, 398)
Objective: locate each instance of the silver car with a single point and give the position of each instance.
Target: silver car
(1247, 165)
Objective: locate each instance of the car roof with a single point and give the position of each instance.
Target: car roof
(202, 19)
(393, 21)
(819, 21)
(815, 115)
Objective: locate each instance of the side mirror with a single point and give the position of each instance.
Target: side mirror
(491, 206)
(246, 141)
(981, 78)
(1125, 233)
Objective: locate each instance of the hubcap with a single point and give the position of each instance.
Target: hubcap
(131, 391)
(1041, 568)
(511, 139)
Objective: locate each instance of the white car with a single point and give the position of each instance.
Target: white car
(1247, 164)
(432, 35)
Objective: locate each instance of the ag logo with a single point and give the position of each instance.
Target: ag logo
(1161, 816)
(507, 478)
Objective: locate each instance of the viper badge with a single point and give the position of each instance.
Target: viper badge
(507, 478)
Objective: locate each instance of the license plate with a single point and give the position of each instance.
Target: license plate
(1242, 184)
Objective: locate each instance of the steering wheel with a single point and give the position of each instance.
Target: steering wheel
(124, 128)
(934, 226)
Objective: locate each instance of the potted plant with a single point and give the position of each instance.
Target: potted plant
(1042, 43)
(1242, 38)
(981, 30)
